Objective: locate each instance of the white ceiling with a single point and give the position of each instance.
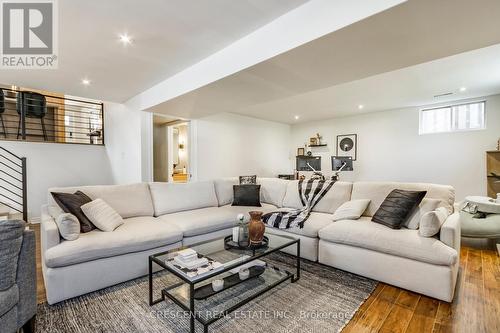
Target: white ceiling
(478, 71)
(169, 35)
(401, 57)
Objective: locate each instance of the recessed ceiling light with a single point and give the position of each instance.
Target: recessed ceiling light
(296, 117)
(86, 82)
(462, 89)
(125, 39)
(361, 106)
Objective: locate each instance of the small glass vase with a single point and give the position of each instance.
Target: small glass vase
(243, 239)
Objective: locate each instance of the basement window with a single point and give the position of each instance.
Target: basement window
(453, 118)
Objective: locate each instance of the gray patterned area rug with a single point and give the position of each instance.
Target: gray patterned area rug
(323, 300)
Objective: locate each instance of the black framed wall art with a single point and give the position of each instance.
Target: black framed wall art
(347, 145)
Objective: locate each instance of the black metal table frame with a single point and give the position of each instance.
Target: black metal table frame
(192, 313)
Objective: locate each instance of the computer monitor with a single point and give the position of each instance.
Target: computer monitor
(303, 161)
(338, 162)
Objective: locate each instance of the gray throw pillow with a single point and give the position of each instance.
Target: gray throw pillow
(11, 239)
(68, 225)
(427, 205)
(248, 180)
(431, 222)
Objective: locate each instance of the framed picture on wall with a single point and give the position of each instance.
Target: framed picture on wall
(347, 145)
(300, 152)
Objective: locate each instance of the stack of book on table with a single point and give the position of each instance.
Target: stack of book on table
(192, 264)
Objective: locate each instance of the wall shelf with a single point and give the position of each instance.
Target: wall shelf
(314, 146)
(492, 169)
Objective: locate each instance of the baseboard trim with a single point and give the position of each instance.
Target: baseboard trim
(34, 220)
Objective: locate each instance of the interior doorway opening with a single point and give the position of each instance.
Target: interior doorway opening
(171, 149)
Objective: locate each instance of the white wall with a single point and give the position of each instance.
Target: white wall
(232, 145)
(390, 148)
(123, 142)
(145, 140)
(53, 164)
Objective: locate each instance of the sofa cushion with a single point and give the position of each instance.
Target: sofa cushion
(404, 243)
(11, 238)
(312, 226)
(272, 190)
(224, 190)
(8, 299)
(336, 196)
(128, 200)
(205, 220)
(378, 191)
(170, 198)
(134, 235)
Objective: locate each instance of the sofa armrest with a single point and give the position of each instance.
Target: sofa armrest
(26, 279)
(49, 233)
(450, 231)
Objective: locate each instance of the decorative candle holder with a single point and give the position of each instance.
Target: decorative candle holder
(244, 273)
(217, 285)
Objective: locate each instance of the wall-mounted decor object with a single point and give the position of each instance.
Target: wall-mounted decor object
(347, 146)
(300, 151)
(316, 141)
(308, 163)
(493, 172)
(319, 139)
(313, 141)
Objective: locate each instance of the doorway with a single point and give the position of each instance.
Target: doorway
(171, 150)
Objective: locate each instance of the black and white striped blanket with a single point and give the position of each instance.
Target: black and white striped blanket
(310, 192)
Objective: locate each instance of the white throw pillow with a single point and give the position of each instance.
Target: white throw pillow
(431, 222)
(427, 205)
(68, 225)
(351, 210)
(54, 211)
(102, 215)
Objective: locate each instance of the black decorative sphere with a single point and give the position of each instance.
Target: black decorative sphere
(346, 144)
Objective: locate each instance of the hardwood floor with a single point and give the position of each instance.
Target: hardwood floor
(475, 309)
(40, 287)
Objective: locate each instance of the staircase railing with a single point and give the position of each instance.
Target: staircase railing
(13, 182)
(34, 116)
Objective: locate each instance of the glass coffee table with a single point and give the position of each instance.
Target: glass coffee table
(195, 295)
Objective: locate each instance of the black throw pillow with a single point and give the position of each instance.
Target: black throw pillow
(397, 207)
(246, 195)
(71, 203)
(245, 180)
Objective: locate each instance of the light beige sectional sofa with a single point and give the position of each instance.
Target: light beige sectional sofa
(160, 216)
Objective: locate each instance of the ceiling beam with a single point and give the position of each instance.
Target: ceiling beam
(301, 25)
